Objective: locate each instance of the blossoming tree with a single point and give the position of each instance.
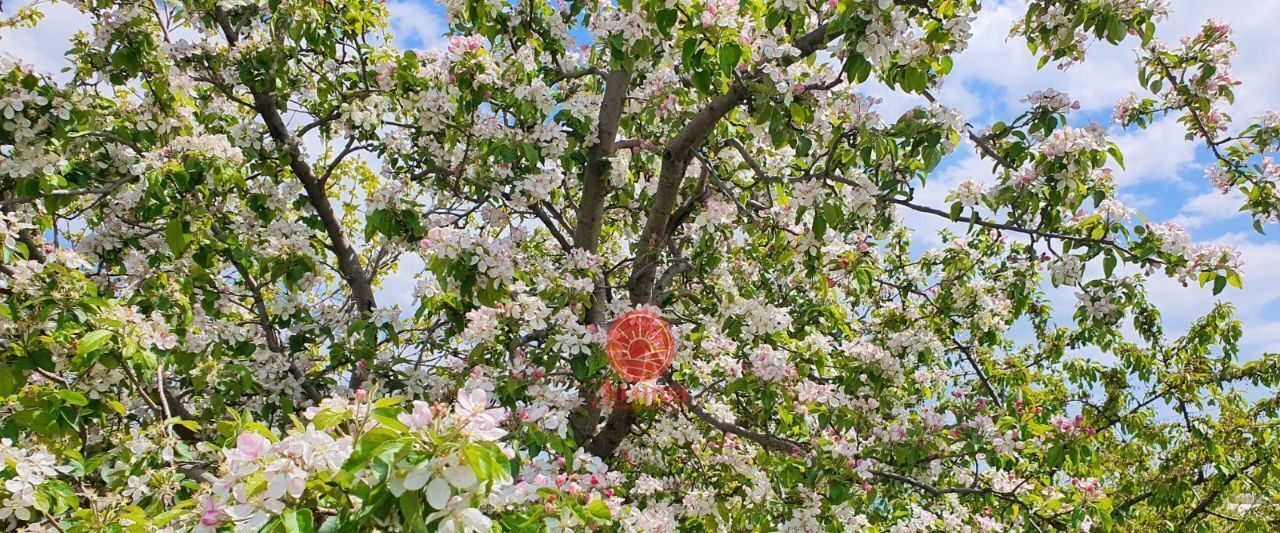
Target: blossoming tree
(201, 216)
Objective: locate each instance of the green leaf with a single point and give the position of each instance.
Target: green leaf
(298, 521)
(176, 237)
(702, 80)
(92, 341)
(666, 19)
(598, 510)
(500, 468)
(1117, 155)
(479, 460)
(687, 51)
(1116, 31)
(580, 368)
(531, 153)
(73, 397)
(189, 424)
(116, 406)
(10, 380)
(411, 510)
(329, 418)
(730, 54)
(368, 448)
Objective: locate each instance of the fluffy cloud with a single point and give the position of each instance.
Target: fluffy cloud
(414, 25)
(1210, 207)
(46, 44)
(1159, 153)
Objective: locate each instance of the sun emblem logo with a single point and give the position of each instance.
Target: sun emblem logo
(640, 346)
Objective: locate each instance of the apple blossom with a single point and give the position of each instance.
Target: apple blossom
(265, 269)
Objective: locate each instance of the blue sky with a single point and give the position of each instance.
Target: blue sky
(1164, 174)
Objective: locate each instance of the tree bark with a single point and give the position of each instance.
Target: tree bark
(590, 221)
(595, 184)
(676, 155)
(348, 262)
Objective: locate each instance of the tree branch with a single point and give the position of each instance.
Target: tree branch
(348, 262)
(974, 219)
(676, 155)
(590, 222)
(763, 439)
(273, 339)
(595, 186)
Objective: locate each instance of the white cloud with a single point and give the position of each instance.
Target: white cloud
(1137, 201)
(1179, 305)
(1158, 153)
(1210, 207)
(414, 25)
(997, 71)
(45, 45)
(995, 61)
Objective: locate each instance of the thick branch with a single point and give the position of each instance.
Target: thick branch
(551, 226)
(676, 155)
(763, 439)
(595, 185)
(590, 222)
(348, 262)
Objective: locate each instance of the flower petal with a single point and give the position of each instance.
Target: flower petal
(395, 482)
(475, 520)
(461, 476)
(438, 493)
(417, 478)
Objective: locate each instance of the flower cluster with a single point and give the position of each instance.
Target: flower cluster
(262, 475)
(1052, 101)
(238, 349)
(771, 364)
(969, 193)
(25, 471)
(1066, 270)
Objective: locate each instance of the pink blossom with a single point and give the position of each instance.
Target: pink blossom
(249, 447)
(419, 418)
(210, 514)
